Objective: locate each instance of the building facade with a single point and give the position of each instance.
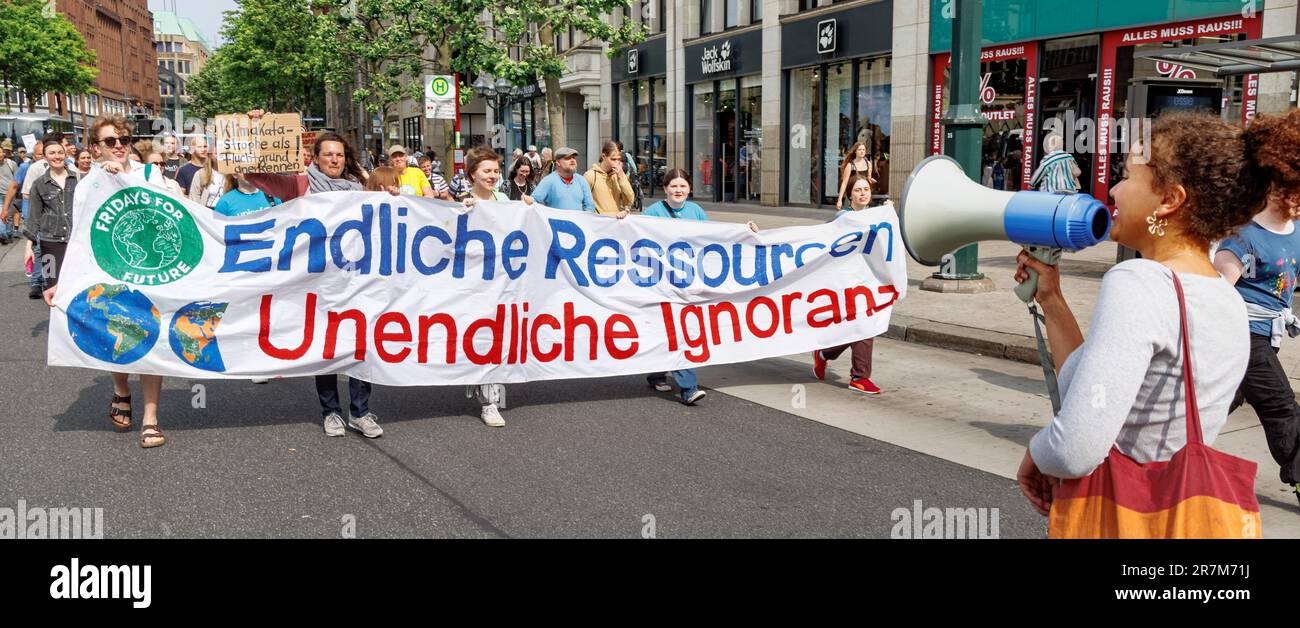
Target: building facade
(182, 51)
(761, 99)
(121, 34)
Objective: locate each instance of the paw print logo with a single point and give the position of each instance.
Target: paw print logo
(726, 49)
(826, 36)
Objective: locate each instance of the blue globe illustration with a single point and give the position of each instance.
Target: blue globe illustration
(113, 323)
(194, 335)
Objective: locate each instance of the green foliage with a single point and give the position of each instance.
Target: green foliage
(381, 49)
(527, 28)
(41, 51)
(520, 42)
(267, 62)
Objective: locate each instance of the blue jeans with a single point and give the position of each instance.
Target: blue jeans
(686, 380)
(35, 278)
(327, 388)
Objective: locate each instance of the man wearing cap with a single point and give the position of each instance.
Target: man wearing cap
(8, 169)
(533, 157)
(409, 180)
(563, 189)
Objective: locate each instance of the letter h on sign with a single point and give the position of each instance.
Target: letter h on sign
(826, 37)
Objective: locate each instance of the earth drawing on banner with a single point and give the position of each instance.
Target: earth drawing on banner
(113, 323)
(194, 335)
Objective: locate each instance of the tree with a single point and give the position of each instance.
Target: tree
(41, 51)
(382, 48)
(519, 43)
(267, 62)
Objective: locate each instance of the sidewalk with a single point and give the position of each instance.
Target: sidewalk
(995, 323)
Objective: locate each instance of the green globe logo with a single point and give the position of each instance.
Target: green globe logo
(440, 86)
(145, 238)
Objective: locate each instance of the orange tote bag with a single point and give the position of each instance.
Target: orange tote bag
(1200, 493)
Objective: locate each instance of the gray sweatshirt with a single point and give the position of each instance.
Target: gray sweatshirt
(1124, 385)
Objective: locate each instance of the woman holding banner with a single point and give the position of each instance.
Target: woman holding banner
(334, 168)
(1168, 344)
(860, 374)
(484, 167)
(112, 148)
(677, 188)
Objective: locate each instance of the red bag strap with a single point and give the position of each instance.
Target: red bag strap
(1194, 434)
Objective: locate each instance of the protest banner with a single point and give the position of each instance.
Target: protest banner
(272, 143)
(412, 291)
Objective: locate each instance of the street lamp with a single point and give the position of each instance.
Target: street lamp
(498, 90)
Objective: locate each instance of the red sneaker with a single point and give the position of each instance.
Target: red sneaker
(819, 365)
(864, 385)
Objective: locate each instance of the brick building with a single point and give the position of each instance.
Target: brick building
(121, 34)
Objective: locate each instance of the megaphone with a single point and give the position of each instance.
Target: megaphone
(942, 210)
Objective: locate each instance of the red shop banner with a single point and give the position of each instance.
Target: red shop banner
(1108, 88)
(1027, 51)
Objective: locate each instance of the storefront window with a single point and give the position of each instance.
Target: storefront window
(839, 125)
(804, 182)
(541, 127)
(518, 125)
(749, 178)
(702, 141)
(658, 164)
(1127, 69)
(641, 150)
(1067, 100)
(873, 124)
(625, 100)
(727, 149)
(1002, 101)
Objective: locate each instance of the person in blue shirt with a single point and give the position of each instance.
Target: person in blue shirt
(677, 188)
(564, 189)
(242, 197)
(1260, 260)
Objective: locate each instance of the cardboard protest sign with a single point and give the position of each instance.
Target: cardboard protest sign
(272, 143)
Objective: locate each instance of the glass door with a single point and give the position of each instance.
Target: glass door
(702, 140)
(727, 148)
(750, 125)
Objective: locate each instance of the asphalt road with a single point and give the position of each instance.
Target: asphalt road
(579, 458)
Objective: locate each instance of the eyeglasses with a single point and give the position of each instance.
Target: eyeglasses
(116, 141)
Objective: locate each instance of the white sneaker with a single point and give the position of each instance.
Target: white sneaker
(492, 417)
(368, 425)
(260, 380)
(694, 397)
(333, 424)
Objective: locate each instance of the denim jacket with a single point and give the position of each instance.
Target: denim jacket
(50, 208)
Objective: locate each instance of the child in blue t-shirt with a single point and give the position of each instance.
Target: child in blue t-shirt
(677, 187)
(242, 197)
(1260, 260)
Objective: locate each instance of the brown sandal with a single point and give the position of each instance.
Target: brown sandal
(152, 432)
(120, 418)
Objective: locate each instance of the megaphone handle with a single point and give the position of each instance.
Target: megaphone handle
(1046, 255)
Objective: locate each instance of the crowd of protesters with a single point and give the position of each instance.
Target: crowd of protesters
(1175, 217)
